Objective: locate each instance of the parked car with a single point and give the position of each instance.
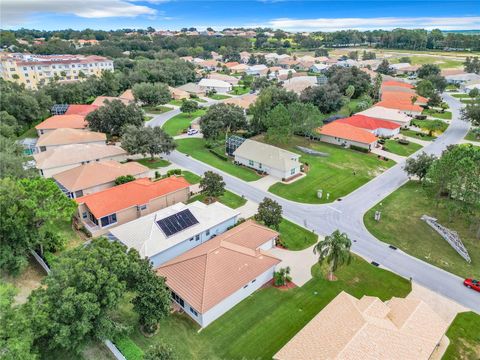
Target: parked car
(192, 132)
(472, 284)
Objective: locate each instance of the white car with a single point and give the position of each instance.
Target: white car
(192, 132)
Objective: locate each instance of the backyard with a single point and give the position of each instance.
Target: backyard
(341, 172)
(261, 324)
(400, 225)
(395, 147)
(195, 147)
(177, 124)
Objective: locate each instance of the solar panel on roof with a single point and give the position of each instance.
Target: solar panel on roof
(177, 222)
(59, 109)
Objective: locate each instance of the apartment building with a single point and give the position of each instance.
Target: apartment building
(36, 70)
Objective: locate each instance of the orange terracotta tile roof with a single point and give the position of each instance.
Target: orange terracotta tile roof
(402, 96)
(367, 122)
(66, 136)
(347, 132)
(397, 83)
(80, 109)
(138, 192)
(231, 63)
(100, 100)
(209, 273)
(63, 121)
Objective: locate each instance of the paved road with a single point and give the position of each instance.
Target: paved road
(347, 215)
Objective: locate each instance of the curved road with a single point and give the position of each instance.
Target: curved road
(347, 215)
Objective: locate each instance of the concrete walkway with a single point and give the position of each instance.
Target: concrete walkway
(388, 155)
(264, 183)
(248, 210)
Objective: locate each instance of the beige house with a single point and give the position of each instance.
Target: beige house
(277, 162)
(96, 176)
(244, 101)
(100, 100)
(178, 94)
(368, 329)
(67, 136)
(67, 157)
(394, 115)
(120, 204)
(232, 80)
(73, 121)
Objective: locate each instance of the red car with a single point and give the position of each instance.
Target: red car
(472, 284)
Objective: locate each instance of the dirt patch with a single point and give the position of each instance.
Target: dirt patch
(468, 349)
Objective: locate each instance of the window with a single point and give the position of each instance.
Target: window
(178, 299)
(43, 148)
(250, 162)
(197, 237)
(192, 310)
(108, 220)
(78, 193)
(254, 280)
(292, 172)
(84, 215)
(207, 232)
(191, 239)
(245, 286)
(142, 207)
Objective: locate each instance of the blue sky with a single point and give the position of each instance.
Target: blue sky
(289, 15)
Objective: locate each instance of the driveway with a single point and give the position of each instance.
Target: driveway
(389, 155)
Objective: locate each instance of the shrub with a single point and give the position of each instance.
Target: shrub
(403, 141)
(128, 348)
(157, 174)
(217, 154)
(124, 179)
(282, 276)
(358, 148)
(174, 172)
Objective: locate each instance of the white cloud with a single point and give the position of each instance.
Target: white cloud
(17, 12)
(387, 23)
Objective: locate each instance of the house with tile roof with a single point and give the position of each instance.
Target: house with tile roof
(167, 233)
(368, 328)
(102, 100)
(61, 121)
(277, 162)
(67, 136)
(377, 127)
(394, 115)
(62, 158)
(232, 80)
(219, 86)
(346, 135)
(80, 109)
(211, 278)
(244, 101)
(96, 176)
(102, 210)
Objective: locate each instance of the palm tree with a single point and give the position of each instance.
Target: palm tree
(335, 249)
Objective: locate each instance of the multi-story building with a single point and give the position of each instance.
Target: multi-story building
(36, 70)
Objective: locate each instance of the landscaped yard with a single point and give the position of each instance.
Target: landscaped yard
(340, 173)
(177, 124)
(219, 97)
(471, 136)
(261, 324)
(155, 164)
(417, 134)
(175, 102)
(239, 90)
(447, 115)
(400, 225)
(156, 109)
(395, 147)
(191, 177)
(464, 336)
(295, 237)
(195, 147)
(461, 96)
(425, 125)
(228, 198)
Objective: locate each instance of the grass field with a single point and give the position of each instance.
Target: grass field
(400, 225)
(417, 135)
(191, 177)
(195, 147)
(265, 321)
(175, 102)
(219, 97)
(239, 90)
(471, 136)
(180, 122)
(155, 164)
(156, 109)
(423, 124)
(447, 115)
(295, 237)
(467, 101)
(461, 96)
(340, 173)
(395, 147)
(464, 336)
(228, 198)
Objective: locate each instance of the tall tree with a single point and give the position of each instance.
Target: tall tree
(327, 98)
(427, 70)
(270, 213)
(189, 106)
(112, 117)
(425, 88)
(151, 94)
(335, 250)
(305, 118)
(419, 165)
(147, 140)
(212, 185)
(222, 119)
(471, 112)
(279, 125)
(384, 68)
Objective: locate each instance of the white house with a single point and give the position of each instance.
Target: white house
(213, 84)
(260, 69)
(279, 163)
(319, 68)
(281, 72)
(210, 279)
(170, 232)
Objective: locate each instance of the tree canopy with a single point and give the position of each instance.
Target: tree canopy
(212, 185)
(112, 117)
(327, 98)
(335, 250)
(221, 119)
(270, 213)
(151, 94)
(147, 140)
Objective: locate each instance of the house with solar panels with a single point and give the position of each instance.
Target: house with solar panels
(168, 233)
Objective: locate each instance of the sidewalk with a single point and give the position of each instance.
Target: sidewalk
(413, 140)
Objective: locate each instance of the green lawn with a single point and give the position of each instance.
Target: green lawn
(468, 101)
(442, 62)
(30, 133)
(261, 324)
(219, 97)
(295, 237)
(228, 198)
(195, 147)
(423, 124)
(451, 87)
(395, 147)
(447, 115)
(177, 124)
(464, 336)
(461, 96)
(156, 109)
(239, 90)
(191, 177)
(175, 102)
(471, 136)
(400, 225)
(155, 164)
(333, 174)
(417, 134)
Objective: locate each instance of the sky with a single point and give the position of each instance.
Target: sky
(298, 15)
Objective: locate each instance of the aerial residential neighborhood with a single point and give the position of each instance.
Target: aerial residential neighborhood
(248, 180)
